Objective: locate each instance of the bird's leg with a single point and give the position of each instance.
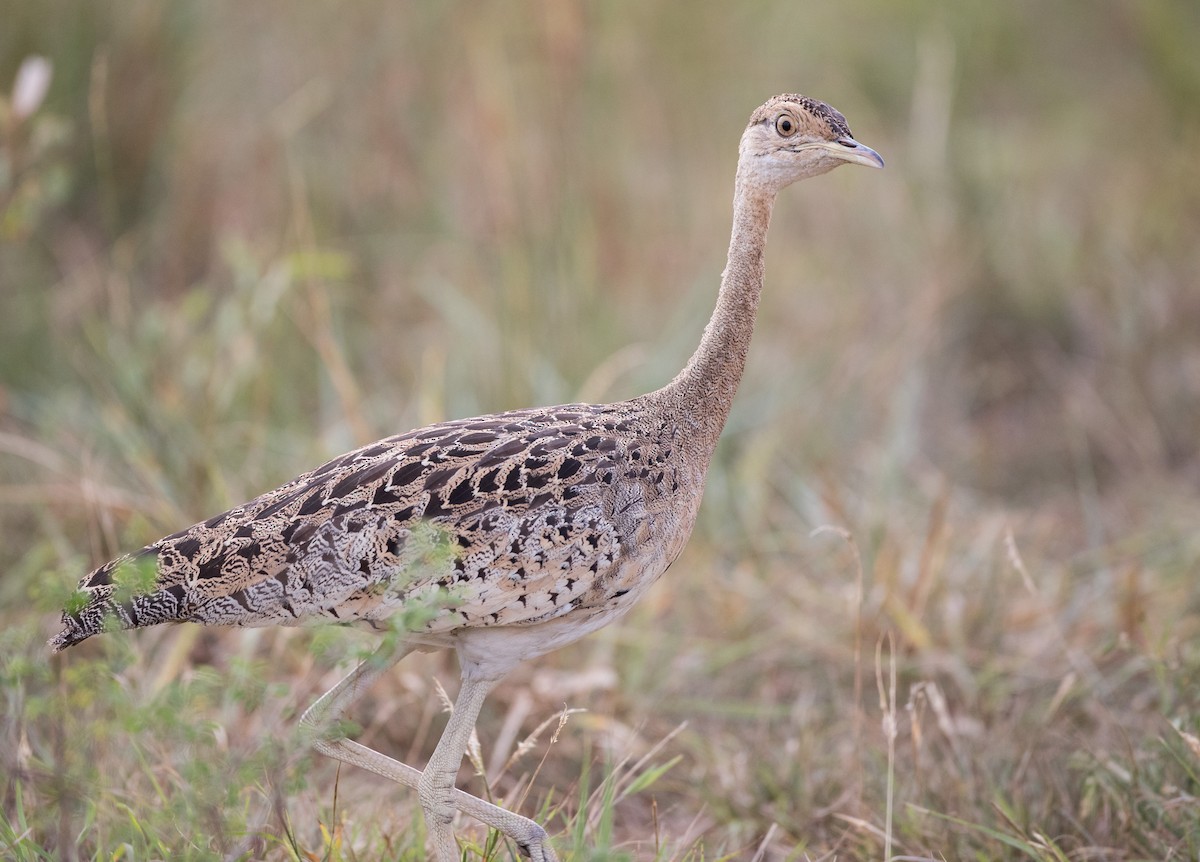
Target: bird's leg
(436, 787)
(530, 838)
(330, 707)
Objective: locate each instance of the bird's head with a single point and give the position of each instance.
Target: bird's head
(793, 137)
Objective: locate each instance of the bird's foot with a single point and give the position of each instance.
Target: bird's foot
(537, 849)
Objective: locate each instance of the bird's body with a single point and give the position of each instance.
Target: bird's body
(503, 536)
(509, 520)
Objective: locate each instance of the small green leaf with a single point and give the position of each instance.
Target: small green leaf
(134, 577)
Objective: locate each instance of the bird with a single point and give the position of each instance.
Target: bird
(501, 537)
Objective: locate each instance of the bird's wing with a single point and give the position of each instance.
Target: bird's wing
(501, 520)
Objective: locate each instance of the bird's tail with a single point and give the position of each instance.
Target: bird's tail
(123, 594)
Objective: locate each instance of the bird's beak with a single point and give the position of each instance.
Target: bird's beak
(850, 150)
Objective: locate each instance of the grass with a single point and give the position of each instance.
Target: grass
(239, 239)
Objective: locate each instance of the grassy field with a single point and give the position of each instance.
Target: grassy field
(943, 601)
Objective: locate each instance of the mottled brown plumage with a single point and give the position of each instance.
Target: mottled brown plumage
(530, 515)
(502, 536)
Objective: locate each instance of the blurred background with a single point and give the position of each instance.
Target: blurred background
(238, 239)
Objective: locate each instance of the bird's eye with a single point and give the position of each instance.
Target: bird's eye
(785, 125)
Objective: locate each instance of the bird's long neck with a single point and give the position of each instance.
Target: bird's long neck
(703, 392)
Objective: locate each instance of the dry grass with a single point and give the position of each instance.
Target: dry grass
(240, 238)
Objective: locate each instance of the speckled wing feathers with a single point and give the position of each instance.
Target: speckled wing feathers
(510, 519)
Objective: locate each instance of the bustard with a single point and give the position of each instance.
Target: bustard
(502, 537)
